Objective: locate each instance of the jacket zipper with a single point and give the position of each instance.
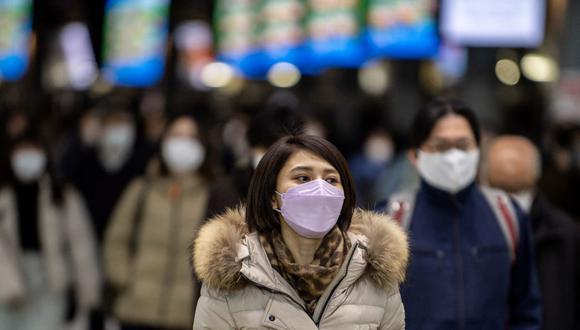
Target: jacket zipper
(169, 269)
(460, 293)
(344, 271)
(336, 286)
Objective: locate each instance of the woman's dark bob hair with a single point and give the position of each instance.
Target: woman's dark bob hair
(260, 216)
(432, 112)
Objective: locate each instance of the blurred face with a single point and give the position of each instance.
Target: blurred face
(117, 119)
(181, 149)
(448, 159)
(28, 162)
(116, 140)
(379, 147)
(26, 147)
(302, 167)
(450, 132)
(16, 125)
(512, 165)
(184, 128)
(90, 128)
(257, 155)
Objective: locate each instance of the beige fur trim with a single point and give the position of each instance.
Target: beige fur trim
(387, 247)
(215, 249)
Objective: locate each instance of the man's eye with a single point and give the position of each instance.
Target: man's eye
(441, 147)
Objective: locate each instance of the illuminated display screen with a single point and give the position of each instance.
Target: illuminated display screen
(135, 41)
(334, 30)
(402, 28)
(483, 23)
(15, 27)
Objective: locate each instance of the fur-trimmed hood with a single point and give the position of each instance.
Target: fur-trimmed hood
(216, 249)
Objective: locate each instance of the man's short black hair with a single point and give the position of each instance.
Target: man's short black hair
(432, 112)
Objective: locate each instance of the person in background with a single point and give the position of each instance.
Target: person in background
(300, 256)
(560, 181)
(513, 164)
(108, 155)
(264, 128)
(13, 123)
(111, 157)
(147, 242)
(48, 259)
(473, 263)
(380, 170)
(152, 111)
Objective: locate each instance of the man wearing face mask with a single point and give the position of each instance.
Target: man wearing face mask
(513, 165)
(472, 263)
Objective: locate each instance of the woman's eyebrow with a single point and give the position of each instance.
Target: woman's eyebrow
(311, 169)
(301, 168)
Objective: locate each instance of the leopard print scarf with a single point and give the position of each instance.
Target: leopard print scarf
(309, 280)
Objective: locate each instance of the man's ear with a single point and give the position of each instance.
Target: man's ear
(412, 156)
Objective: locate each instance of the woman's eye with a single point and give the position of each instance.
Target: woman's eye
(302, 178)
(332, 180)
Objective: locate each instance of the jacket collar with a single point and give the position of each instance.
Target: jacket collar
(225, 254)
(443, 196)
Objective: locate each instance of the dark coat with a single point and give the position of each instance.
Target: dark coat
(460, 275)
(99, 188)
(557, 241)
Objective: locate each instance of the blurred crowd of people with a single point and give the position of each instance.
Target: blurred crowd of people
(99, 210)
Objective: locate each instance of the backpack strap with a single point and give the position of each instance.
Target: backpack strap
(401, 206)
(506, 217)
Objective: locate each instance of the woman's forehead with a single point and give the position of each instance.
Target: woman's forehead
(305, 159)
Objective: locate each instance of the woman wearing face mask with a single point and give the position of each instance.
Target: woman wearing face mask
(48, 270)
(147, 242)
(473, 264)
(300, 256)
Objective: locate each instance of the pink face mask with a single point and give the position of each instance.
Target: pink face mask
(312, 209)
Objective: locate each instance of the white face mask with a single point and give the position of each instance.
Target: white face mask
(524, 199)
(450, 171)
(115, 146)
(182, 155)
(28, 165)
(378, 150)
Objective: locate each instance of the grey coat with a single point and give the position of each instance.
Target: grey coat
(68, 247)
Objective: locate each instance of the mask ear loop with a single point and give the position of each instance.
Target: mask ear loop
(276, 208)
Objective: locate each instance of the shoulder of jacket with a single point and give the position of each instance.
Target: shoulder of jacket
(386, 245)
(215, 257)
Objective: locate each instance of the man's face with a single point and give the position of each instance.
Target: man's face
(450, 132)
